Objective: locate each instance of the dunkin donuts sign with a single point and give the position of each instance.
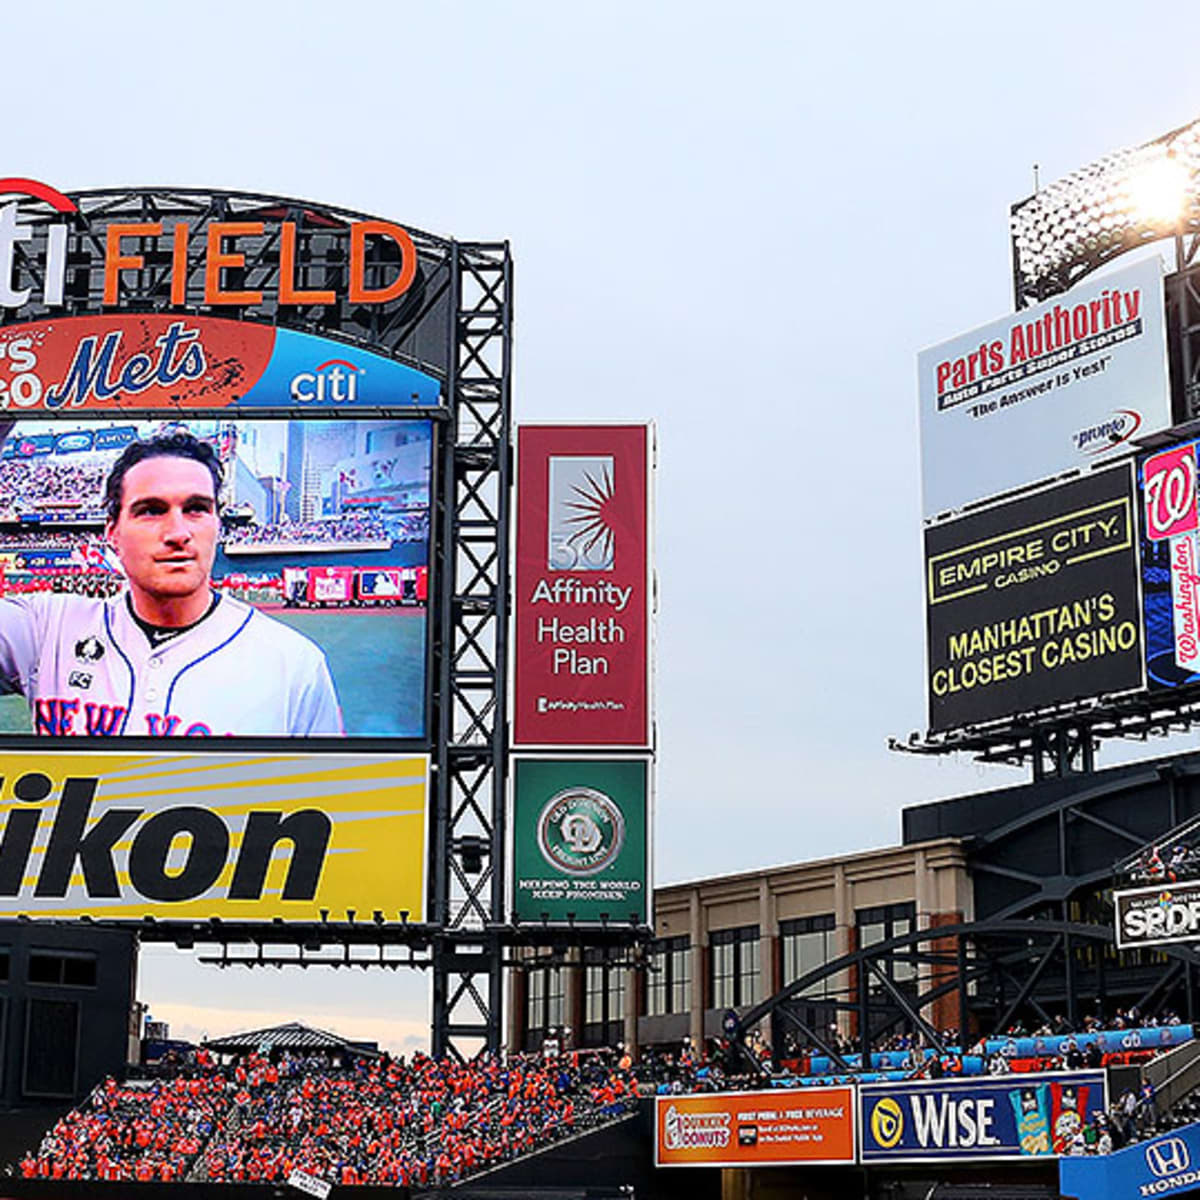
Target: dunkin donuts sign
(741, 1129)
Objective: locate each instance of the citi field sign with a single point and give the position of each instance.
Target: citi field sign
(196, 309)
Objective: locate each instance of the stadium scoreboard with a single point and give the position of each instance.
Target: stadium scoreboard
(312, 351)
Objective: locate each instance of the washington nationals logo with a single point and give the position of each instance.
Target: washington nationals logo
(1171, 493)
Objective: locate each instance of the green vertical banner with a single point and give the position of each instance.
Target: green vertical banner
(580, 837)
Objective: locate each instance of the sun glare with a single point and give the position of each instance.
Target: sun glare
(1157, 192)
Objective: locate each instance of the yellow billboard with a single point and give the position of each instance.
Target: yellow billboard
(241, 837)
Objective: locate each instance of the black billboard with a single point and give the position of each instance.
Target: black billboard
(1033, 602)
(1159, 915)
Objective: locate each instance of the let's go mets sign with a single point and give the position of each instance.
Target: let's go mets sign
(192, 837)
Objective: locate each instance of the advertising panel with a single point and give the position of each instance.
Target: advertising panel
(105, 364)
(755, 1129)
(1159, 915)
(581, 845)
(1170, 528)
(283, 644)
(1168, 1165)
(1007, 1117)
(1050, 388)
(581, 647)
(1033, 602)
(191, 837)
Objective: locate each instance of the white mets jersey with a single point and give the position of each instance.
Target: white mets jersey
(89, 670)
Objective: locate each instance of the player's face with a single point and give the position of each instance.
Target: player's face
(166, 533)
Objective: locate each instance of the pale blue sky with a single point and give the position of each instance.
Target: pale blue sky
(740, 220)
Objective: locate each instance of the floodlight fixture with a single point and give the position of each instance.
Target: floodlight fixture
(1117, 203)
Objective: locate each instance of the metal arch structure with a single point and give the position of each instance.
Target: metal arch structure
(988, 951)
(454, 322)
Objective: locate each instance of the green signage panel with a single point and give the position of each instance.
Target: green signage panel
(581, 849)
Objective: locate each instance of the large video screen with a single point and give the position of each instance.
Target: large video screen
(228, 577)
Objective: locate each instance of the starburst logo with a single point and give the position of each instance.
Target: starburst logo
(581, 502)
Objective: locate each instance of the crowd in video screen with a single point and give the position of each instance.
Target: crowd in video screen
(319, 530)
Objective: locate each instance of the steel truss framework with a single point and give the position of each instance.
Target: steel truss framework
(988, 972)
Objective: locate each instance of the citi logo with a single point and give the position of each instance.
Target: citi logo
(1168, 1157)
(335, 380)
(55, 264)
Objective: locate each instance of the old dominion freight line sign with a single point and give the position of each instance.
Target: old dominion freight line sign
(580, 850)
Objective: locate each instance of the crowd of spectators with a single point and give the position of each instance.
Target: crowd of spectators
(719, 1066)
(1158, 864)
(35, 483)
(370, 1120)
(40, 539)
(142, 1130)
(348, 529)
(76, 582)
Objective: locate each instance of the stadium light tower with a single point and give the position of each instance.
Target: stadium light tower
(1115, 204)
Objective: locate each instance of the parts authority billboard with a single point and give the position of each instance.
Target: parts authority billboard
(581, 840)
(1010, 1117)
(1048, 389)
(755, 1129)
(197, 836)
(581, 646)
(1033, 602)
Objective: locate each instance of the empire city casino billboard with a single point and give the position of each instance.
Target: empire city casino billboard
(306, 350)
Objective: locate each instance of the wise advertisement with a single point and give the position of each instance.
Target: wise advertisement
(580, 836)
(1047, 389)
(1159, 915)
(755, 1129)
(240, 837)
(1009, 1117)
(1034, 602)
(1167, 1165)
(581, 646)
(178, 362)
(1170, 558)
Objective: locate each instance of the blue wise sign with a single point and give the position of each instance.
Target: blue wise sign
(1015, 1116)
(581, 846)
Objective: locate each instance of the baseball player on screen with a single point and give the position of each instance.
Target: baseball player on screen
(167, 656)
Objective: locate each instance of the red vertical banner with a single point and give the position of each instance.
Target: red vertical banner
(581, 644)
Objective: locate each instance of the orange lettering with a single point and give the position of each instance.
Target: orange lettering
(219, 260)
(359, 292)
(179, 264)
(115, 262)
(287, 273)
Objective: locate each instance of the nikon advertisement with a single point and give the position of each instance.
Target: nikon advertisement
(1159, 915)
(1034, 602)
(581, 850)
(125, 837)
